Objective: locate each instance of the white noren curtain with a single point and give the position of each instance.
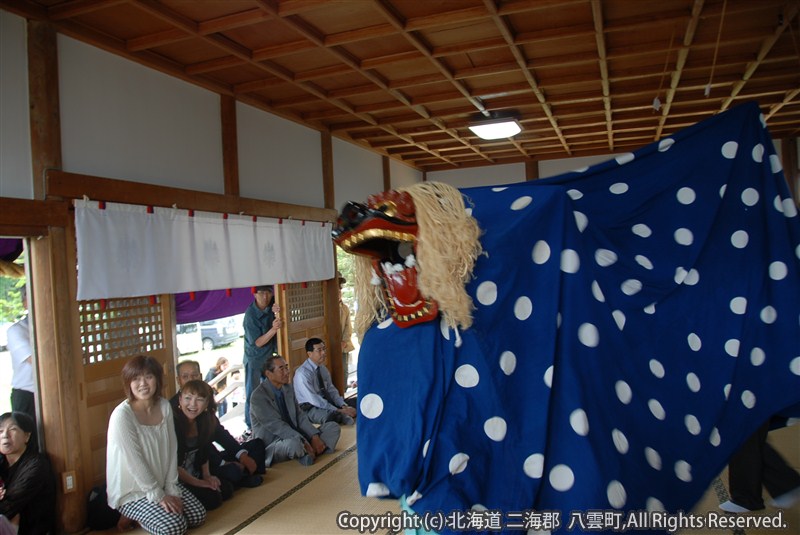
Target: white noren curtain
(123, 251)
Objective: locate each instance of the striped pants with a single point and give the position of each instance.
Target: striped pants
(153, 518)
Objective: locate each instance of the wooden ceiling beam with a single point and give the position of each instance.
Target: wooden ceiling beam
(352, 91)
(186, 24)
(788, 97)
(391, 59)
(323, 72)
(316, 37)
(217, 25)
(284, 49)
(507, 34)
(305, 98)
(216, 64)
(388, 13)
(787, 18)
(25, 9)
(146, 58)
(361, 34)
(600, 42)
(256, 85)
(233, 21)
(582, 100)
(76, 8)
(442, 18)
(288, 8)
(688, 39)
(153, 40)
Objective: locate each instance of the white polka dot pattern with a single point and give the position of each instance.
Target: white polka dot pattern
(626, 320)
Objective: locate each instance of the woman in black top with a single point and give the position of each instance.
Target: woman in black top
(194, 429)
(28, 493)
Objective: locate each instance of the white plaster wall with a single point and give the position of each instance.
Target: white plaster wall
(357, 172)
(403, 175)
(15, 135)
(481, 176)
(548, 168)
(122, 120)
(278, 160)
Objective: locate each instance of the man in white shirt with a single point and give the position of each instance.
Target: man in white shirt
(315, 391)
(19, 345)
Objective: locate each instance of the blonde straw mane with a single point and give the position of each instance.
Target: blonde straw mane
(447, 247)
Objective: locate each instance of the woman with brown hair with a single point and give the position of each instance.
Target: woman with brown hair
(141, 460)
(194, 427)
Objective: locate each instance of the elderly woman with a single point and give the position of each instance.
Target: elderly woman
(27, 487)
(141, 460)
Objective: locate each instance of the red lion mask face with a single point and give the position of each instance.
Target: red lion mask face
(385, 230)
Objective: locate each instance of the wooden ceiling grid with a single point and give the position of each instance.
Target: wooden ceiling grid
(405, 77)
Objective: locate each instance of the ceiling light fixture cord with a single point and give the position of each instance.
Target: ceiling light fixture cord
(716, 48)
(657, 100)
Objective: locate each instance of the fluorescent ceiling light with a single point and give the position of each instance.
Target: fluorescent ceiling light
(495, 127)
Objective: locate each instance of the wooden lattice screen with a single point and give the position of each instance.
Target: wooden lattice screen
(305, 301)
(304, 311)
(120, 328)
(111, 332)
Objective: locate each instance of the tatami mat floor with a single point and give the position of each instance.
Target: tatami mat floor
(295, 499)
(307, 500)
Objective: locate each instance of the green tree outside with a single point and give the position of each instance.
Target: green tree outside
(11, 308)
(344, 263)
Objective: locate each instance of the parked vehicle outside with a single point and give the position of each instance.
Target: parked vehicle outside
(188, 338)
(239, 320)
(219, 332)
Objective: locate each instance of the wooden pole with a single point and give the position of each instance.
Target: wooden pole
(333, 326)
(230, 145)
(52, 275)
(531, 170)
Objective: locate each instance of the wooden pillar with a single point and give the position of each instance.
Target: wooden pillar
(531, 170)
(333, 325)
(60, 372)
(387, 173)
(328, 190)
(44, 105)
(53, 287)
(230, 145)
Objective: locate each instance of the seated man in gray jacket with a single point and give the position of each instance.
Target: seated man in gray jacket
(281, 424)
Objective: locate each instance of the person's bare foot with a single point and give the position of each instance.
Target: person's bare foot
(125, 523)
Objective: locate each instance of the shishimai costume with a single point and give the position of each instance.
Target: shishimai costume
(600, 340)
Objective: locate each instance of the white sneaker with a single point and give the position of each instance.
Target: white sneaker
(735, 508)
(786, 500)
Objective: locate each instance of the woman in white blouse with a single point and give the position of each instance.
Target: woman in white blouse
(141, 456)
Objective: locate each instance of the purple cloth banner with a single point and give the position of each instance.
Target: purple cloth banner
(211, 304)
(10, 248)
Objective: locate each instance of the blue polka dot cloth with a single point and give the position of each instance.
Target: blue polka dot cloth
(635, 322)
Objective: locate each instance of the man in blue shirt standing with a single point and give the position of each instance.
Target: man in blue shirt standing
(261, 325)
